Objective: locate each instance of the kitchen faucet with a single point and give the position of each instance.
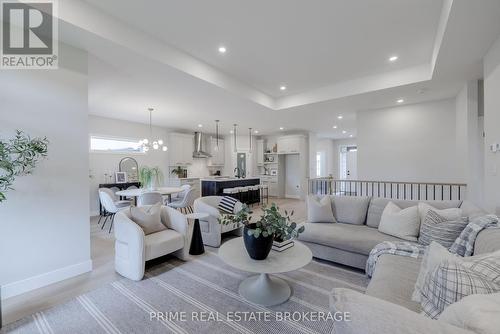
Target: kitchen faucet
(237, 172)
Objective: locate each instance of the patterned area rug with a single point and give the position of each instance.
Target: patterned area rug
(199, 296)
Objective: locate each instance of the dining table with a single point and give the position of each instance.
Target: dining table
(135, 193)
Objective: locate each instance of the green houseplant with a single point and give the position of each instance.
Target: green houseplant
(18, 157)
(150, 177)
(259, 236)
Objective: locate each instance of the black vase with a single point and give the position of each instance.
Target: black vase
(257, 248)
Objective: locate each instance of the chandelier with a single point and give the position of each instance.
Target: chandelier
(148, 143)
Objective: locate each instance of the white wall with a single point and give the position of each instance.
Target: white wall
(44, 224)
(469, 141)
(492, 127)
(326, 145)
(409, 143)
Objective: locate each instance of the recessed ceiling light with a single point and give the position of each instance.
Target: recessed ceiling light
(231, 132)
(400, 101)
(200, 125)
(334, 126)
(350, 136)
(222, 49)
(256, 131)
(282, 87)
(344, 131)
(393, 58)
(282, 128)
(340, 116)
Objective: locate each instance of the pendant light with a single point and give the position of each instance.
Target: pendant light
(250, 140)
(216, 135)
(148, 143)
(234, 136)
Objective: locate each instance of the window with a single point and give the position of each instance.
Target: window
(320, 164)
(114, 145)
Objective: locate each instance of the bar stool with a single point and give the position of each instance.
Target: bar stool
(232, 192)
(264, 188)
(255, 194)
(244, 194)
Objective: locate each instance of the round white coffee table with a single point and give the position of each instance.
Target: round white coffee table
(264, 289)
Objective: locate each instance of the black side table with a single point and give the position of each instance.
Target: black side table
(197, 247)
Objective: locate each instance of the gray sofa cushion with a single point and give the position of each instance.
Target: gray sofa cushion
(350, 209)
(377, 206)
(394, 280)
(353, 238)
(487, 241)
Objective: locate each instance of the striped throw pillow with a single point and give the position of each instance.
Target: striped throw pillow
(439, 229)
(227, 204)
(452, 280)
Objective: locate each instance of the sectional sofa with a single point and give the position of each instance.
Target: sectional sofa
(350, 240)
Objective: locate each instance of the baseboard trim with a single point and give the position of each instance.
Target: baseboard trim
(17, 288)
(94, 213)
(292, 196)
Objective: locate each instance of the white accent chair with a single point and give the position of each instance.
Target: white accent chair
(186, 204)
(179, 196)
(211, 230)
(150, 198)
(133, 248)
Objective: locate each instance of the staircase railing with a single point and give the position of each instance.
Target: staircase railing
(424, 191)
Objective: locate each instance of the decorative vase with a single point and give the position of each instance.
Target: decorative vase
(257, 248)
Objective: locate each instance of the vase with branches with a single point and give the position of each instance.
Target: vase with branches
(150, 177)
(18, 157)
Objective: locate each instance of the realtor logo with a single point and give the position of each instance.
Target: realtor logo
(29, 35)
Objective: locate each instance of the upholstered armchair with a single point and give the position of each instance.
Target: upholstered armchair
(211, 230)
(133, 248)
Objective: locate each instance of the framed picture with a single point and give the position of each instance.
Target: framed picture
(121, 177)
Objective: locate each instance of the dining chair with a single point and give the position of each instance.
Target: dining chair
(118, 203)
(110, 206)
(186, 204)
(149, 198)
(180, 196)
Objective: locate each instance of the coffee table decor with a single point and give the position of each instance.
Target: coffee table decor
(264, 288)
(272, 226)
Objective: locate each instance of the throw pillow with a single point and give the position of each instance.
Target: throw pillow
(477, 313)
(148, 218)
(227, 204)
(319, 211)
(436, 227)
(433, 256)
(448, 214)
(451, 281)
(401, 223)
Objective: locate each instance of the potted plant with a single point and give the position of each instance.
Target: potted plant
(259, 236)
(179, 172)
(150, 177)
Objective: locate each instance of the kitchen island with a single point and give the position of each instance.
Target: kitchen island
(215, 187)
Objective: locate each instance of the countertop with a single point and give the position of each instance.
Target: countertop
(229, 179)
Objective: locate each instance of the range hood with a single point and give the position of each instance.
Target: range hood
(198, 147)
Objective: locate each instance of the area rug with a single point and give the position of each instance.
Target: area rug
(198, 296)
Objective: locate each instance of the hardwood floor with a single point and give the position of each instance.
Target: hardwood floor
(102, 253)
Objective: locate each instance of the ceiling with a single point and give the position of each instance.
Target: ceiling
(301, 44)
(331, 55)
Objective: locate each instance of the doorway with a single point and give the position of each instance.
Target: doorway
(348, 162)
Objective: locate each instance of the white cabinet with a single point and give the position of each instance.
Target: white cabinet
(260, 152)
(180, 149)
(290, 144)
(272, 183)
(218, 154)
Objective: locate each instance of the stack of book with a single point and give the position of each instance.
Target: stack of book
(281, 246)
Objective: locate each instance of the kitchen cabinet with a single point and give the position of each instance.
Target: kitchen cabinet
(260, 152)
(180, 149)
(290, 144)
(218, 155)
(272, 183)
